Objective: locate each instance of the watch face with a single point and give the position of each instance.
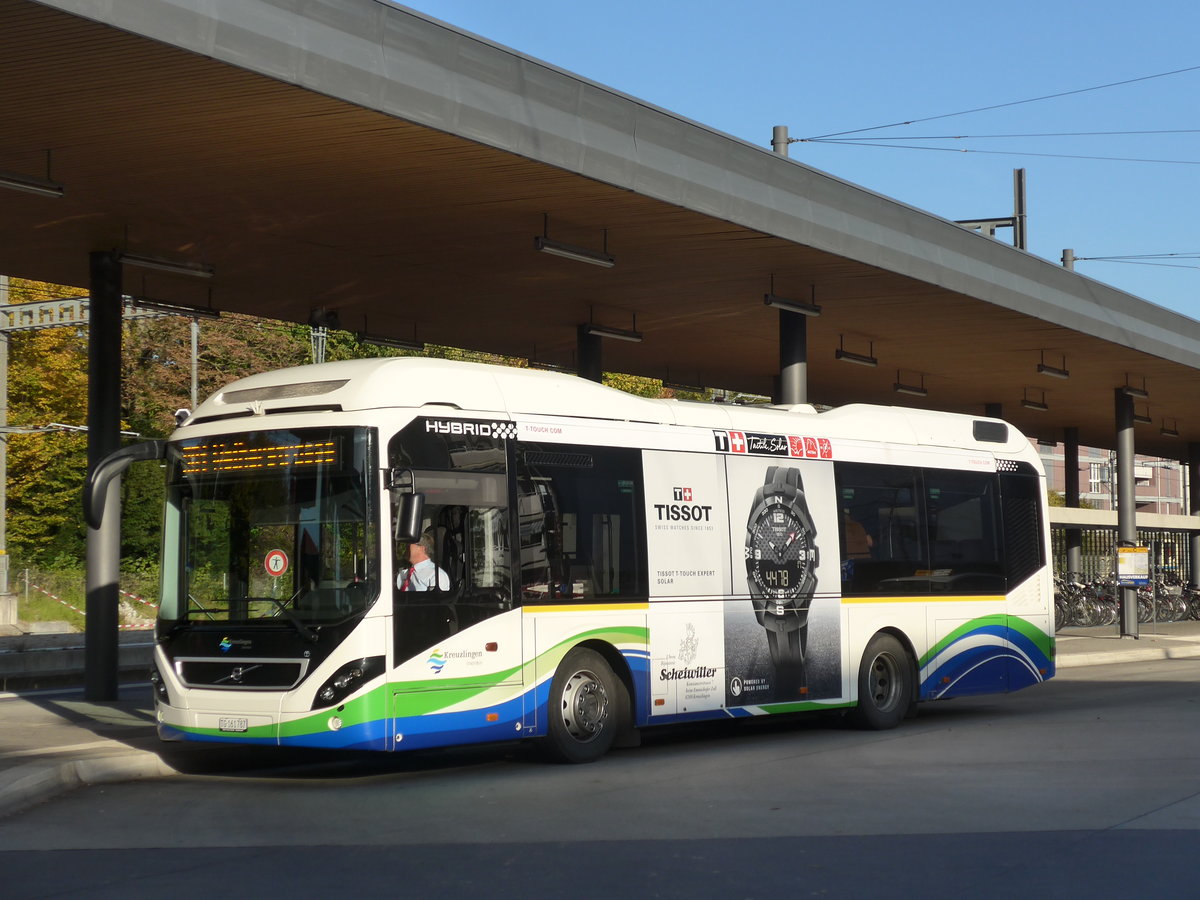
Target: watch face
(780, 556)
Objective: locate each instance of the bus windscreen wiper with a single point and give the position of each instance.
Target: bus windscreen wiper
(305, 632)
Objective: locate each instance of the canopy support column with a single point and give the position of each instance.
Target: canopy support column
(1126, 504)
(590, 355)
(793, 358)
(104, 431)
(1071, 493)
(1193, 468)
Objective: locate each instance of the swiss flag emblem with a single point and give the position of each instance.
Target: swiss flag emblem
(737, 442)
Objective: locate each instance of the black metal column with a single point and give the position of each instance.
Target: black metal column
(1071, 493)
(793, 358)
(1193, 467)
(590, 355)
(1126, 504)
(104, 432)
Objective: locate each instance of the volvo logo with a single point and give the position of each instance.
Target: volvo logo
(237, 674)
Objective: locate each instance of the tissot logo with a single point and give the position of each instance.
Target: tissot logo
(683, 512)
(683, 493)
(730, 441)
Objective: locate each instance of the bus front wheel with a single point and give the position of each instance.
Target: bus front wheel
(885, 685)
(583, 708)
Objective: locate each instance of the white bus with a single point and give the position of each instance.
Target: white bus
(610, 562)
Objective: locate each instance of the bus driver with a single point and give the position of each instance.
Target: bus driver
(422, 573)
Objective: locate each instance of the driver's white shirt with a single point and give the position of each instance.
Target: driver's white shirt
(422, 579)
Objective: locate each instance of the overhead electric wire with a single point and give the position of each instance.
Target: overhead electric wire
(851, 143)
(1134, 262)
(976, 137)
(1142, 259)
(965, 112)
(1187, 255)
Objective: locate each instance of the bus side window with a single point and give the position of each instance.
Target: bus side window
(882, 544)
(581, 531)
(962, 513)
(1024, 547)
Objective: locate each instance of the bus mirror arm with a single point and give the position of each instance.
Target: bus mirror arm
(95, 490)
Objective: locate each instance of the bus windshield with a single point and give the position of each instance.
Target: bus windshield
(273, 527)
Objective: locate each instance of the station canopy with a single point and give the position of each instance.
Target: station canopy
(357, 163)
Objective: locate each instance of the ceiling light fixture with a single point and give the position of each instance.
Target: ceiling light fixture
(793, 306)
(1053, 371)
(1129, 390)
(915, 390)
(1039, 405)
(173, 309)
(570, 251)
(859, 359)
(194, 270)
(1173, 431)
(579, 254)
(617, 334)
(31, 184)
(392, 343)
(552, 367)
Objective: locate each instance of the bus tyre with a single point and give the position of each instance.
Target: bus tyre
(583, 708)
(885, 685)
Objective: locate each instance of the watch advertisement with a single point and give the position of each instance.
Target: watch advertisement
(761, 531)
(687, 526)
(784, 643)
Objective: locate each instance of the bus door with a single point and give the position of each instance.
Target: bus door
(457, 649)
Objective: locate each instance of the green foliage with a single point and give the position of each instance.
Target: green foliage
(47, 383)
(1057, 498)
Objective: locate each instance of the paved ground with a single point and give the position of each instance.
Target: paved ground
(54, 741)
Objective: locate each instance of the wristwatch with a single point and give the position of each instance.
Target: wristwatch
(781, 566)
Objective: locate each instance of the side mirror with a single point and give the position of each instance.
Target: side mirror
(409, 514)
(95, 490)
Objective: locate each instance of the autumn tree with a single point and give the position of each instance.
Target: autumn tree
(47, 383)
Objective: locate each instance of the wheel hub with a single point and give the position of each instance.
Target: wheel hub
(584, 705)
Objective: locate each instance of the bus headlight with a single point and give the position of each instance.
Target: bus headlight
(346, 680)
(160, 689)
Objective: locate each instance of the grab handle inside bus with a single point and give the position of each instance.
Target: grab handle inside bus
(95, 490)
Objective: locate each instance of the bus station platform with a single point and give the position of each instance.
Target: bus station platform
(54, 741)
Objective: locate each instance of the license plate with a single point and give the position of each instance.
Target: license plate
(233, 723)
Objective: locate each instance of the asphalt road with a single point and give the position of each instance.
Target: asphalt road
(1088, 786)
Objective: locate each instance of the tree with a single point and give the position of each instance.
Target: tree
(47, 383)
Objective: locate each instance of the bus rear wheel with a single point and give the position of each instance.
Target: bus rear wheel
(885, 685)
(583, 708)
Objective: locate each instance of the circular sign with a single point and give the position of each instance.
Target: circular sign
(276, 563)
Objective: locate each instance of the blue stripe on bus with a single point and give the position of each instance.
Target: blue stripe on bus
(989, 668)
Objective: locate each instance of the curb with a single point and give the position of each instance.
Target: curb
(33, 783)
(1111, 658)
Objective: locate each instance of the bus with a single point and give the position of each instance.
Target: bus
(607, 562)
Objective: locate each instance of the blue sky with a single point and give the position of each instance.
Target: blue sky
(841, 65)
